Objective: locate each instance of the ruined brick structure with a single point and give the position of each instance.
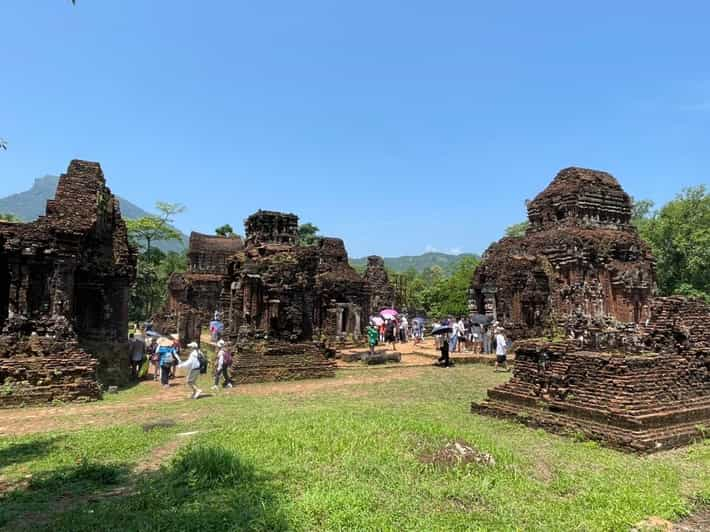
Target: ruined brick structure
(652, 396)
(382, 293)
(64, 282)
(194, 296)
(282, 300)
(632, 370)
(580, 256)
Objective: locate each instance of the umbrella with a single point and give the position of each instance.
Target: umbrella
(376, 320)
(153, 334)
(419, 319)
(444, 329)
(481, 319)
(388, 313)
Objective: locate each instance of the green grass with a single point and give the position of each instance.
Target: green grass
(346, 458)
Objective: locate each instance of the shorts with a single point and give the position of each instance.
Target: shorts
(500, 358)
(192, 376)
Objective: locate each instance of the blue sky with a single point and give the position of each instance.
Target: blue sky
(399, 126)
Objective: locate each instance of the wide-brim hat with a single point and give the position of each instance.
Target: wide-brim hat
(220, 343)
(193, 345)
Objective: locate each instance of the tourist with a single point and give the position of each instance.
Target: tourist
(476, 338)
(462, 332)
(487, 340)
(372, 337)
(444, 358)
(403, 330)
(390, 334)
(192, 366)
(224, 362)
(166, 353)
(176, 358)
(382, 332)
(136, 347)
(154, 358)
(501, 350)
(454, 338)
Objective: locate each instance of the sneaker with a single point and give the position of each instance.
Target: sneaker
(197, 394)
(215, 387)
(229, 385)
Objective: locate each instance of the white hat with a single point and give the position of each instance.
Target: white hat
(193, 345)
(220, 343)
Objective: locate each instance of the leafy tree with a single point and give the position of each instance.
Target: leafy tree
(517, 229)
(9, 218)
(307, 234)
(225, 230)
(679, 236)
(148, 229)
(154, 266)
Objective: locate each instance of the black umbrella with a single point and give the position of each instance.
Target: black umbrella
(444, 329)
(481, 319)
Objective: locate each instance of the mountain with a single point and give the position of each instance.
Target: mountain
(30, 204)
(418, 262)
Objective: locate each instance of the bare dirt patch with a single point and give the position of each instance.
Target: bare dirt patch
(457, 453)
(21, 421)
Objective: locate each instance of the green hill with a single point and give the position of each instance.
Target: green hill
(417, 262)
(30, 204)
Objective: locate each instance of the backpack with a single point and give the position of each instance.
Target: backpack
(227, 359)
(203, 362)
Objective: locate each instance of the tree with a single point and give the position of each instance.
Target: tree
(307, 234)
(154, 267)
(9, 218)
(225, 230)
(517, 229)
(679, 236)
(146, 230)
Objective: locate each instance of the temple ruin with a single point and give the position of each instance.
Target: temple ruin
(283, 301)
(382, 293)
(64, 283)
(598, 355)
(579, 256)
(194, 296)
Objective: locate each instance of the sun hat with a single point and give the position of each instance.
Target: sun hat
(220, 343)
(193, 345)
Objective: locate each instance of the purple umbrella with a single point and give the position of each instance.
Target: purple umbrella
(388, 313)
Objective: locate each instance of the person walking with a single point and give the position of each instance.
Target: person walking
(166, 353)
(501, 350)
(454, 340)
(487, 340)
(444, 358)
(404, 330)
(192, 366)
(372, 337)
(136, 347)
(224, 362)
(390, 334)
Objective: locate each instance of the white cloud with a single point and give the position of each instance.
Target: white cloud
(455, 251)
(430, 249)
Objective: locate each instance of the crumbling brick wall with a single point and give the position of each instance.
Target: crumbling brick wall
(580, 255)
(194, 296)
(381, 291)
(66, 276)
(642, 400)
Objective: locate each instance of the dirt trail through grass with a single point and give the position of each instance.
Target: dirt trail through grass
(136, 408)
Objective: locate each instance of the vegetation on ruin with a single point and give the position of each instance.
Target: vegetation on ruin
(226, 230)
(679, 236)
(344, 456)
(9, 218)
(307, 234)
(517, 230)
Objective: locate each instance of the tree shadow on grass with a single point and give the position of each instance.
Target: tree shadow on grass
(205, 488)
(17, 453)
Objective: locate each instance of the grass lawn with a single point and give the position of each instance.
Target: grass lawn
(337, 457)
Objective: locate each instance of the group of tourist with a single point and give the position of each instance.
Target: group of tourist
(464, 334)
(163, 354)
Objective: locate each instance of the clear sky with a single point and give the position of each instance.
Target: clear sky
(399, 126)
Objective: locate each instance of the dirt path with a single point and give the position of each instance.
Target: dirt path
(20, 421)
